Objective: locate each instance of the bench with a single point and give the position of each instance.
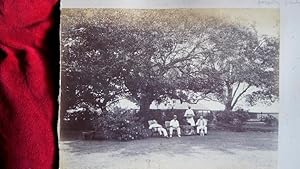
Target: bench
(185, 129)
(154, 131)
(88, 135)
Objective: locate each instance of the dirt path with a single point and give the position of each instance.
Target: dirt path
(219, 150)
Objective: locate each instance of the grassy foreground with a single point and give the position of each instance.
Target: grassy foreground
(218, 150)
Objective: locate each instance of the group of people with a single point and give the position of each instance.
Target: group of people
(200, 125)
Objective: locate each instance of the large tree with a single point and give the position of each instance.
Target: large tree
(92, 65)
(240, 65)
(153, 66)
(152, 57)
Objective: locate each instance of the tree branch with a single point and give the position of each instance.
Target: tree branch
(234, 93)
(259, 45)
(239, 96)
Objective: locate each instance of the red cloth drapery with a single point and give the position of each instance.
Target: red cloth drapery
(28, 83)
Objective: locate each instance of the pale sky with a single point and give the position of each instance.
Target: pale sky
(266, 20)
(209, 105)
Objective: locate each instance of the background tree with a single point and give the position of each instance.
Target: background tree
(239, 65)
(92, 66)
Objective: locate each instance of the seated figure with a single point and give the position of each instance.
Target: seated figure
(201, 125)
(157, 127)
(174, 125)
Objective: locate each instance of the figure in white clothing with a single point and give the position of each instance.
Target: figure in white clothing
(201, 125)
(159, 128)
(189, 115)
(174, 125)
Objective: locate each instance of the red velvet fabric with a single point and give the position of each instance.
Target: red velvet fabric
(28, 83)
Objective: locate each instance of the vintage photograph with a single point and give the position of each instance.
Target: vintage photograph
(169, 88)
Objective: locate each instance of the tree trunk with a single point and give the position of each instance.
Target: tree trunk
(145, 103)
(228, 106)
(228, 103)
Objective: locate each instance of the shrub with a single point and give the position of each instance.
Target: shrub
(270, 120)
(122, 125)
(209, 117)
(233, 120)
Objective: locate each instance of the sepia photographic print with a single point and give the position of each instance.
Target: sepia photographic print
(169, 88)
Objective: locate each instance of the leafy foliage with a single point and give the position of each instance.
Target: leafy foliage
(233, 120)
(240, 65)
(115, 56)
(270, 120)
(122, 125)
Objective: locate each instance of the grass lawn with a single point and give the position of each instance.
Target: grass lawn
(218, 150)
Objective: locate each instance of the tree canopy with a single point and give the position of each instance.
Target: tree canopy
(145, 61)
